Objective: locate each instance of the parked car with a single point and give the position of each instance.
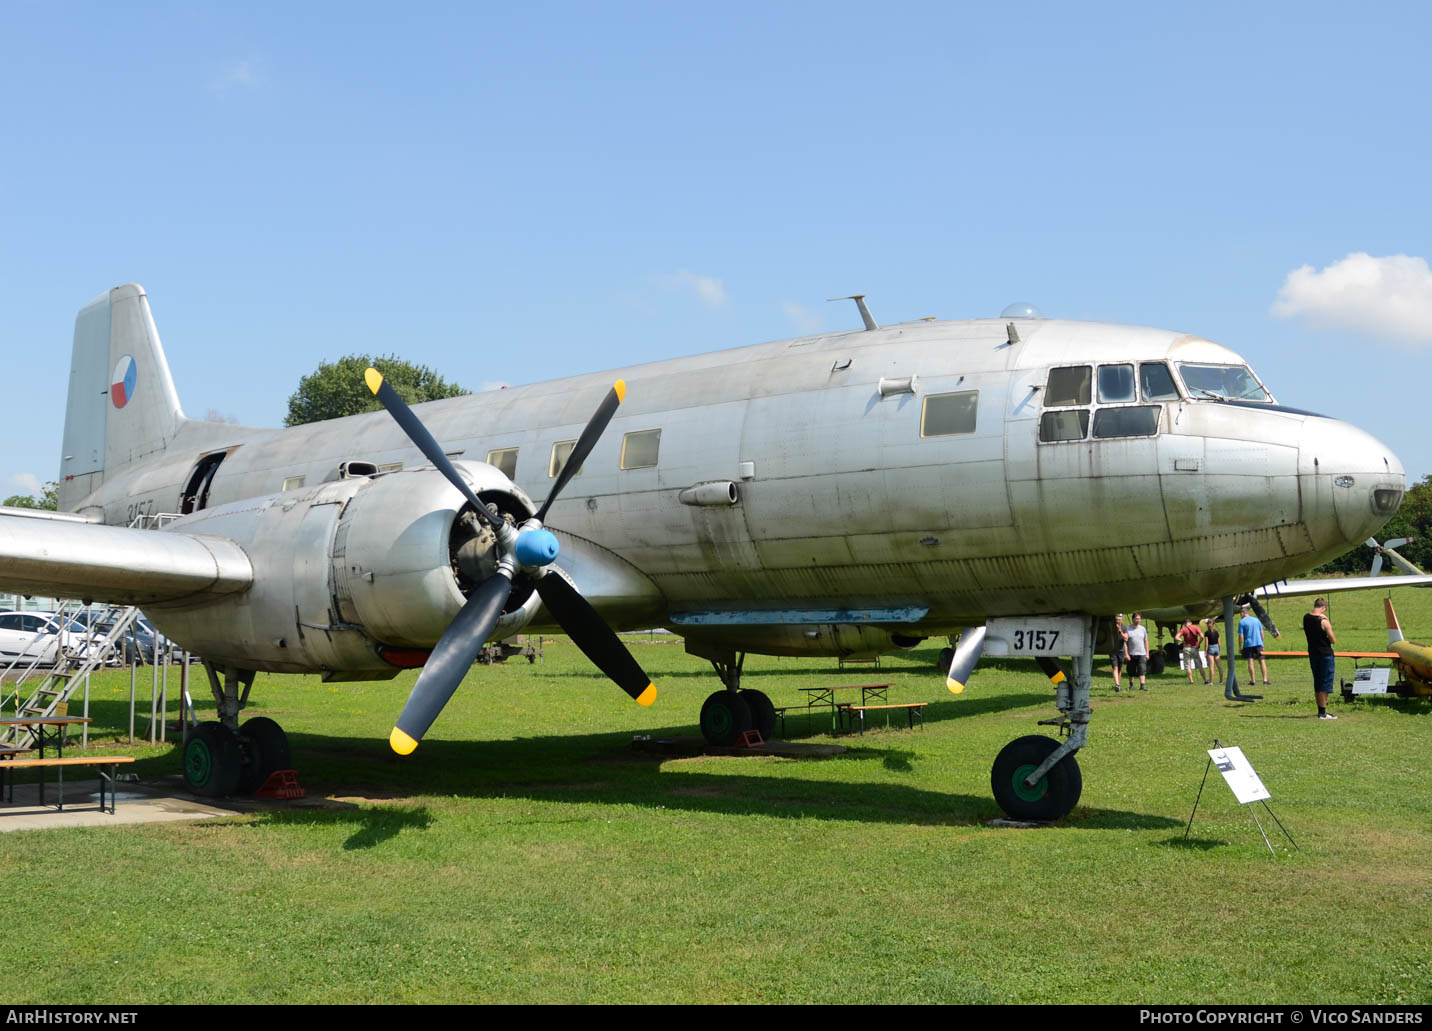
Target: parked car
(140, 641)
(31, 635)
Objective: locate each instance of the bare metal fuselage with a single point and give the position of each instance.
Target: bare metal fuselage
(843, 508)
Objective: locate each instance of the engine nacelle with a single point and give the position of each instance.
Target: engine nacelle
(349, 571)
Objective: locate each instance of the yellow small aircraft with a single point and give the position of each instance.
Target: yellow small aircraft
(1413, 661)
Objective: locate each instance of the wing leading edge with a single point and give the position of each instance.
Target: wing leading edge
(71, 559)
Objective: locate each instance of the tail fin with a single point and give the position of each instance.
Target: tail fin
(122, 403)
(1394, 631)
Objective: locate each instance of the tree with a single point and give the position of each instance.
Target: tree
(337, 388)
(49, 499)
(1413, 519)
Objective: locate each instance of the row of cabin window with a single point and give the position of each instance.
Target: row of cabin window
(639, 451)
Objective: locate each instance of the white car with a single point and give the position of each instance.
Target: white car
(27, 635)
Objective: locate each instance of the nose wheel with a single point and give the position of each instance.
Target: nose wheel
(1051, 796)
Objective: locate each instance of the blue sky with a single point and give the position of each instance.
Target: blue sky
(510, 193)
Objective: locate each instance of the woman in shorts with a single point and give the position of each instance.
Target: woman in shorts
(1215, 666)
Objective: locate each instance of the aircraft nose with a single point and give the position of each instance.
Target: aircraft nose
(1356, 481)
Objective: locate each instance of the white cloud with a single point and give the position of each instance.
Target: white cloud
(710, 289)
(24, 483)
(245, 74)
(1387, 297)
(805, 321)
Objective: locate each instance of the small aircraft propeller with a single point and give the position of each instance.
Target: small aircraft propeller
(1388, 548)
(530, 549)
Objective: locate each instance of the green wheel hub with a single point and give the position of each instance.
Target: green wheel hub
(198, 762)
(1022, 791)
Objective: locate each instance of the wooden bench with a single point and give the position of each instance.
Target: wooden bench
(912, 709)
(106, 764)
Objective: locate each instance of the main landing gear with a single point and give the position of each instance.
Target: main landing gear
(1037, 778)
(223, 758)
(732, 711)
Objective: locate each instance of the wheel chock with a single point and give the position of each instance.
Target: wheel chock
(751, 738)
(281, 784)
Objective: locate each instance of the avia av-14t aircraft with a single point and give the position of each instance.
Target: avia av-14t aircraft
(841, 494)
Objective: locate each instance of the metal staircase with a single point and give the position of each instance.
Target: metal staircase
(72, 665)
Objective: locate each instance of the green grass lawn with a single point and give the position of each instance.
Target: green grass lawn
(526, 853)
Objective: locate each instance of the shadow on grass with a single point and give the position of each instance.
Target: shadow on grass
(603, 770)
(372, 824)
(1194, 844)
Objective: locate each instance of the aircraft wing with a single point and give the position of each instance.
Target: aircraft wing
(68, 557)
(1333, 584)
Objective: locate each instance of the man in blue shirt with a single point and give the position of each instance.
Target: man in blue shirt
(1250, 638)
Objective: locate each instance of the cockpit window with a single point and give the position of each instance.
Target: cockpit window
(1068, 386)
(1222, 382)
(1127, 421)
(1116, 383)
(1156, 382)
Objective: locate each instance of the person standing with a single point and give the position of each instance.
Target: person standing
(1119, 649)
(1250, 639)
(1215, 664)
(1190, 638)
(1319, 631)
(1138, 652)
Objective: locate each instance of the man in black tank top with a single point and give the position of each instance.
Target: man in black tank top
(1321, 639)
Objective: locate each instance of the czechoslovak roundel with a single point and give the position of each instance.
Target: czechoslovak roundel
(123, 382)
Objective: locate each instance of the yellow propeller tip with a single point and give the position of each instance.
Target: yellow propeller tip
(374, 379)
(648, 696)
(620, 387)
(401, 743)
(954, 685)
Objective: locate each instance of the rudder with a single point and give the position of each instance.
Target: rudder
(122, 403)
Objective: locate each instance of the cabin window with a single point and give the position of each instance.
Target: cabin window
(1070, 425)
(293, 482)
(1127, 421)
(1068, 386)
(639, 449)
(944, 414)
(1156, 382)
(505, 460)
(561, 451)
(1116, 383)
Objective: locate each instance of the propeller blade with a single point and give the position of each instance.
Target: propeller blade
(1376, 564)
(1052, 670)
(450, 661)
(595, 427)
(426, 442)
(967, 655)
(591, 634)
(1403, 564)
(1396, 542)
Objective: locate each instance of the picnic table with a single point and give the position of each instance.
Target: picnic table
(821, 696)
(57, 725)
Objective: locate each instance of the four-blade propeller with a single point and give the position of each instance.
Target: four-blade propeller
(529, 549)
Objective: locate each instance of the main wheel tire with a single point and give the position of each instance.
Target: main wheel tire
(763, 713)
(1156, 664)
(265, 748)
(725, 716)
(1171, 651)
(213, 760)
(947, 656)
(1057, 791)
